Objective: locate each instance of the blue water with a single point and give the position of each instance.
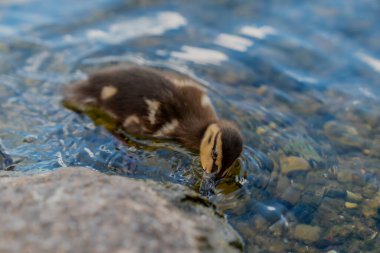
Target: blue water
(300, 78)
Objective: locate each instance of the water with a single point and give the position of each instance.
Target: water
(301, 79)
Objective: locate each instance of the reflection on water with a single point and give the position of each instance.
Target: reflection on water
(300, 79)
(156, 25)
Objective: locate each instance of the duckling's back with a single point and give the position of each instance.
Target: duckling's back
(143, 101)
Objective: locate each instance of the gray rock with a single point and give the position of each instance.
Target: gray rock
(5, 160)
(82, 210)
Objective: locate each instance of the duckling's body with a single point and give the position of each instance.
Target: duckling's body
(162, 105)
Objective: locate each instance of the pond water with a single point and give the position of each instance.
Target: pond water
(301, 79)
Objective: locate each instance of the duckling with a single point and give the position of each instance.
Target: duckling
(152, 103)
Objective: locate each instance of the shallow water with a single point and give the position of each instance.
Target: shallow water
(300, 79)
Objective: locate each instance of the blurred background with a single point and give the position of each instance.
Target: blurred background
(300, 78)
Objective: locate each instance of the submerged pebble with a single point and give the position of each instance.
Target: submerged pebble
(354, 197)
(303, 147)
(283, 183)
(344, 176)
(343, 134)
(291, 164)
(261, 224)
(338, 234)
(272, 212)
(370, 189)
(316, 177)
(304, 212)
(371, 206)
(307, 233)
(350, 205)
(291, 195)
(336, 193)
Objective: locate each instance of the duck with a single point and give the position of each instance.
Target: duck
(161, 104)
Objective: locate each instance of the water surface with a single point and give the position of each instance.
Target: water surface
(300, 79)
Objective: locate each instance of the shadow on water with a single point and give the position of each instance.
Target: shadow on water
(301, 80)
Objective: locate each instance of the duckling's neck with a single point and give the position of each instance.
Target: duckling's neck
(192, 132)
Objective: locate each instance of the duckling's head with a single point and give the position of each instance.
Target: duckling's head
(221, 145)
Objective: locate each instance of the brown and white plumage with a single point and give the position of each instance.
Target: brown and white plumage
(147, 102)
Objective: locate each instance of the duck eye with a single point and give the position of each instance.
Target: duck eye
(214, 154)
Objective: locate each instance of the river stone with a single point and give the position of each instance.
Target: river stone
(82, 210)
(344, 176)
(354, 197)
(350, 205)
(338, 234)
(371, 206)
(307, 233)
(283, 183)
(343, 134)
(293, 163)
(291, 195)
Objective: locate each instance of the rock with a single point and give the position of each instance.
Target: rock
(344, 176)
(329, 212)
(370, 189)
(271, 212)
(261, 130)
(82, 210)
(293, 163)
(247, 228)
(313, 195)
(315, 177)
(370, 206)
(291, 195)
(277, 246)
(260, 223)
(363, 231)
(350, 205)
(283, 183)
(338, 234)
(354, 197)
(304, 212)
(343, 135)
(303, 148)
(336, 193)
(307, 233)
(374, 149)
(5, 161)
